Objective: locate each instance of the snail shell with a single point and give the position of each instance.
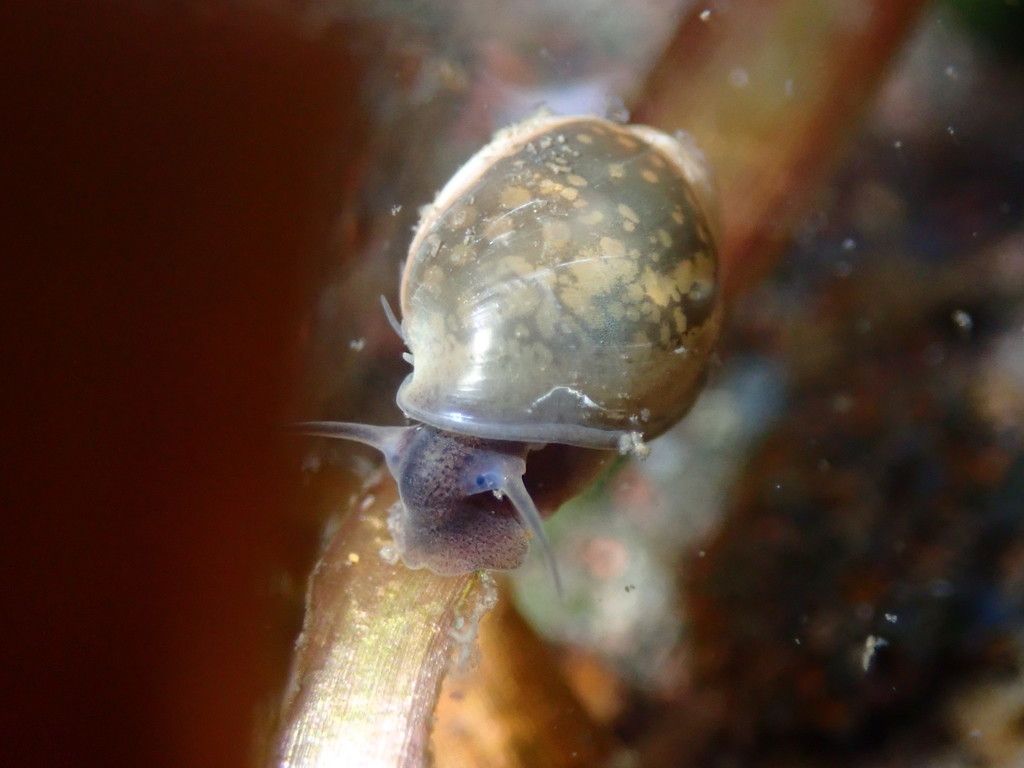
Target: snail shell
(560, 291)
(562, 287)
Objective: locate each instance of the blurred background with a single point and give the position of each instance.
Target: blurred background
(202, 203)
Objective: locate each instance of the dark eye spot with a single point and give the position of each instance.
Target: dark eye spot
(481, 480)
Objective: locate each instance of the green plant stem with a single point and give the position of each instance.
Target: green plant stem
(377, 641)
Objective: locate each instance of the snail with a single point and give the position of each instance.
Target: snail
(560, 302)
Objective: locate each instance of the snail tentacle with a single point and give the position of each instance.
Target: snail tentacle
(502, 474)
(387, 440)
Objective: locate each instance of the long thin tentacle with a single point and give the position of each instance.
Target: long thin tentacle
(530, 518)
(392, 320)
(384, 439)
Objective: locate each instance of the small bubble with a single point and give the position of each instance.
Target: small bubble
(739, 78)
(390, 554)
(963, 320)
(950, 130)
(616, 110)
(951, 73)
(357, 345)
(395, 209)
(705, 14)
(789, 89)
(898, 144)
(891, 618)
(849, 244)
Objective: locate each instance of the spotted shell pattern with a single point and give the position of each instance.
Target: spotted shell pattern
(563, 287)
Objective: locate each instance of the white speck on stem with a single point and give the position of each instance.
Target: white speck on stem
(739, 78)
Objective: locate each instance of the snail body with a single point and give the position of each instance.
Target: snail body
(560, 290)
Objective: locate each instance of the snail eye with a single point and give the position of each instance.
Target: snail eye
(487, 481)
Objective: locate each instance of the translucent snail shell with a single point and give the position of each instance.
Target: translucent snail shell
(562, 289)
